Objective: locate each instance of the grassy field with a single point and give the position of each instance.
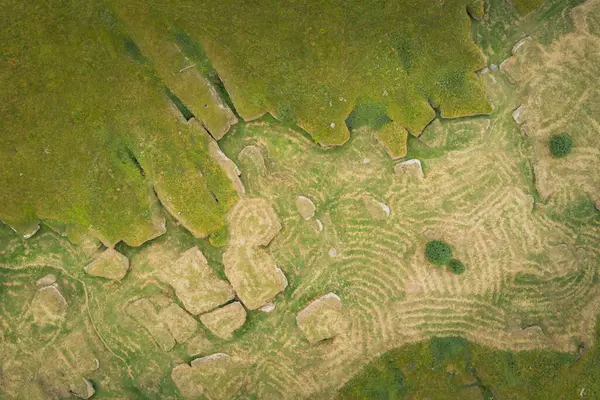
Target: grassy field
(348, 221)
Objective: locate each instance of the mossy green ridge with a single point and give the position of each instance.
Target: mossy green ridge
(443, 368)
(313, 62)
(88, 136)
(394, 139)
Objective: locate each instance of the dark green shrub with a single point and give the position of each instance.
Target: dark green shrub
(438, 252)
(456, 267)
(560, 145)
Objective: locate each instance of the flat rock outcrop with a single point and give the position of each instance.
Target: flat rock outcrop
(110, 264)
(322, 319)
(196, 284)
(225, 320)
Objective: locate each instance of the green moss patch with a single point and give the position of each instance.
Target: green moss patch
(393, 138)
(438, 252)
(453, 367)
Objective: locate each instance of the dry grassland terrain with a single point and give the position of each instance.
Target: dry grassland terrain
(219, 200)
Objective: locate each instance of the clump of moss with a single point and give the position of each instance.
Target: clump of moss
(456, 266)
(218, 238)
(438, 252)
(393, 137)
(561, 145)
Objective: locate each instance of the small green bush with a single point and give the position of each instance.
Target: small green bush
(560, 145)
(438, 252)
(456, 267)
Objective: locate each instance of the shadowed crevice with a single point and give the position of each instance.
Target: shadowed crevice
(135, 161)
(185, 112)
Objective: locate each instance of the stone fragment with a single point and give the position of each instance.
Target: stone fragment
(248, 265)
(181, 325)
(376, 209)
(109, 264)
(322, 319)
(253, 157)
(518, 115)
(231, 170)
(253, 274)
(144, 312)
(48, 306)
(393, 137)
(306, 208)
(253, 222)
(520, 44)
(82, 389)
(45, 281)
(409, 168)
(223, 321)
(319, 225)
(217, 377)
(269, 307)
(542, 180)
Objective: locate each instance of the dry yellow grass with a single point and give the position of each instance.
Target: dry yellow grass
(250, 268)
(145, 313)
(558, 91)
(477, 194)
